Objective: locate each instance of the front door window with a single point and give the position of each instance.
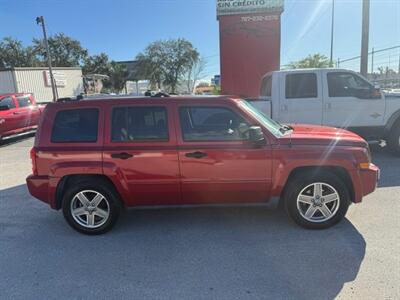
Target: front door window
(212, 124)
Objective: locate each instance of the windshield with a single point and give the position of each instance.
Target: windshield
(274, 127)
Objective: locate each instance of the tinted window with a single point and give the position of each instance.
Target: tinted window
(212, 124)
(301, 86)
(266, 86)
(139, 124)
(24, 101)
(7, 101)
(347, 85)
(75, 125)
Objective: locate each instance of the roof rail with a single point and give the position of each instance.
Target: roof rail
(68, 99)
(161, 95)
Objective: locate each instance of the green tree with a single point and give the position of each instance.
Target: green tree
(312, 61)
(100, 64)
(65, 51)
(118, 75)
(194, 73)
(14, 54)
(150, 64)
(216, 90)
(96, 64)
(180, 56)
(166, 62)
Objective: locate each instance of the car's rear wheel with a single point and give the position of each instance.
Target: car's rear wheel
(91, 207)
(317, 201)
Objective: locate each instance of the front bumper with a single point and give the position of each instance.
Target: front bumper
(369, 179)
(365, 181)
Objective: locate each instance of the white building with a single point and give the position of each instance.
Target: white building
(69, 82)
(136, 88)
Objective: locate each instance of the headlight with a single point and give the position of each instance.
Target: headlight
(366, 164)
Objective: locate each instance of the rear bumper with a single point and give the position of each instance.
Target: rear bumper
(366, 181)
(43, 188)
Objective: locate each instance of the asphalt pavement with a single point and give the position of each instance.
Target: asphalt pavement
(197, 253)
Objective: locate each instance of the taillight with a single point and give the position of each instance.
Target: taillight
(33, 159)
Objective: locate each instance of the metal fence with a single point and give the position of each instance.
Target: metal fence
(383, 66)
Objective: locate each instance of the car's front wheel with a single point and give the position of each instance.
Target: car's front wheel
(394, 139)
(91, 207)
(317, 201)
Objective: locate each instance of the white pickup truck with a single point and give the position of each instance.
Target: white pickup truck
(331, 97)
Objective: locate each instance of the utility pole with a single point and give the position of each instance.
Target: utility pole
(364, 38)
(40, 21)
(332, 25)
(398, 72)
(372, 60)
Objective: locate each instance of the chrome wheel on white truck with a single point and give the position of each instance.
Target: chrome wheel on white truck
(394, 138)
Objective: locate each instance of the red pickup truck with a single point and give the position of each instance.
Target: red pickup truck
(91, 158)
(19, 114)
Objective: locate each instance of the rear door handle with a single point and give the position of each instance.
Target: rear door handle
(122, 155)
(196, 154)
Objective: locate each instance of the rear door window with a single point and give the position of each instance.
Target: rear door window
(24, 101)
(301, 86)
(75, 126)
(130, 124)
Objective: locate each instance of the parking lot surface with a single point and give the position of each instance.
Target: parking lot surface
(197, 253)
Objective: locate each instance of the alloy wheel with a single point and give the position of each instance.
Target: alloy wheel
(318, 202)
(90, 209)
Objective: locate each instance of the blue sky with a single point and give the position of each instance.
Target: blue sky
(122, 28)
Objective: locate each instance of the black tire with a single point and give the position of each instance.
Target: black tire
(299, 183)
(111, 202)
(394, 139)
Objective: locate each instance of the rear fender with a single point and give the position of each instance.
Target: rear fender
(62, 169)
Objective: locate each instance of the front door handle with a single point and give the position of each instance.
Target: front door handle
(122, 155)
(196, 154)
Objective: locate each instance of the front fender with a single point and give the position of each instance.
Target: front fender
(392, 120)
(289, 159)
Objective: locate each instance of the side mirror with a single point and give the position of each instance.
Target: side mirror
(4, 107)
(256, 135)
(376, 93)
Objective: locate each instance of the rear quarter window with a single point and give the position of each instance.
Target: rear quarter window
(75, 126)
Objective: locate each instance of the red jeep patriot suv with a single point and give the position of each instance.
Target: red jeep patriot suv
(93, 157)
